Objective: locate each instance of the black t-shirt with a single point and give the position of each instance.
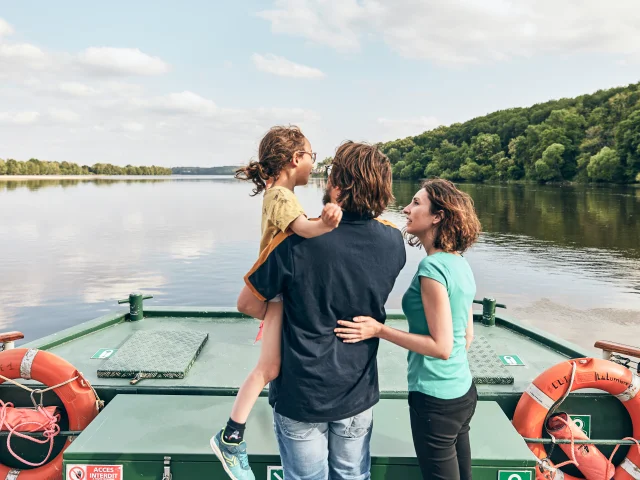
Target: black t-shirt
(337, 276)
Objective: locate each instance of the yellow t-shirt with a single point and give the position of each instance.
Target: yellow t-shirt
(280, 207)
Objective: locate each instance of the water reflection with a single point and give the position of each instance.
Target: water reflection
(559, 257)
(37, 184)
(574, 216)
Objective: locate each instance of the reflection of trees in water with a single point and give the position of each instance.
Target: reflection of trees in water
(575, 216)
(37, 184)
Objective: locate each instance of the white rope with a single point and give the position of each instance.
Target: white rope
(32, 391)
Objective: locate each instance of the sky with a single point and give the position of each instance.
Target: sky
(198, 83)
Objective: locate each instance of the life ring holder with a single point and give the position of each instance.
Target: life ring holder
(77, 395)
(553, 385)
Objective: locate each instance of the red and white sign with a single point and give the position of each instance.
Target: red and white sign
(94, 472)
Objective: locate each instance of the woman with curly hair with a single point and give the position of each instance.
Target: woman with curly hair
(437, 304)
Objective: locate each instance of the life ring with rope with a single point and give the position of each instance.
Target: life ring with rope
(551, 387)
(77, 395)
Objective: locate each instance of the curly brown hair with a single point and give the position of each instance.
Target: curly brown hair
(460, 227)
(363, 174)
(276, 150)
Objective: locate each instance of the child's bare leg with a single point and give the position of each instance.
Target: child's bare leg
(267, 369)
(227, 444)
(268, 366)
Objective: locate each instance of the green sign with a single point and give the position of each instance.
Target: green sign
(583, 422)
(275, 473)
(511, 360)
(104, 353)
(515, 475)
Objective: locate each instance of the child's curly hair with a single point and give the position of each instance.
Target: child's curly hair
(276, 150)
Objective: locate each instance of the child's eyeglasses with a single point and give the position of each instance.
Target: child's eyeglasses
(311, 154)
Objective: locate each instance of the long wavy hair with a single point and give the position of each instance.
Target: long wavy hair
(460, 227)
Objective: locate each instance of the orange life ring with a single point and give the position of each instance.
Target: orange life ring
(78, 398)
(552, 385)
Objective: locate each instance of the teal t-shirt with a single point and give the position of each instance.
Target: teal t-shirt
(444, 379)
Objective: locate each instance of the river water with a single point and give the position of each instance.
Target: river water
(566, 259)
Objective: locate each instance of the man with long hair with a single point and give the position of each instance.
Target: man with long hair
(323, 397)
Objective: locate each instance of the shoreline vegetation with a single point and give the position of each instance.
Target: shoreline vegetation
(592, 138)
(39, 168)
(35, 169)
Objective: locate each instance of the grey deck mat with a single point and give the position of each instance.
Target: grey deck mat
(155, 354)
(486, 366)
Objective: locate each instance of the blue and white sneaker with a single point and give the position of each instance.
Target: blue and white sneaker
(233, 457)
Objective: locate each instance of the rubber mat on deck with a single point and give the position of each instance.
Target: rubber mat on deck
(486, 366)
(155, 354)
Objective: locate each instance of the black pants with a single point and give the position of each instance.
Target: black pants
(440, 430)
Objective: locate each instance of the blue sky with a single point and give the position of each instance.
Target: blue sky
(198, 84)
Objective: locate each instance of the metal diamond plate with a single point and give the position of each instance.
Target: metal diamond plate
(155, 354)
(485, 364)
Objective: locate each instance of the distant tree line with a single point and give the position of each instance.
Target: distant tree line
(590, 138)
(40, 167)
(226, 170)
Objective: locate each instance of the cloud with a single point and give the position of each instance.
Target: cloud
(179, 103)
(404, 127)
(120, 61)
(78, 89)
(133, 127)
(327, 22)
(121, 88)
(5, 28)
(21, 54)
(282, 67)
(20, 118)
(63, 115)
(464, 32)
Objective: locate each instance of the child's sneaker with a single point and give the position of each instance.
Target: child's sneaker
(233, 457)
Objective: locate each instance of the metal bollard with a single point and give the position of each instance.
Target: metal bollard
(489, 310)
(135, 305)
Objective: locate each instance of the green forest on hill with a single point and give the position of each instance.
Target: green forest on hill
(590, 138)
(40, 167)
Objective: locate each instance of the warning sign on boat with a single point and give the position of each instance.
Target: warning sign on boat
(94, 472)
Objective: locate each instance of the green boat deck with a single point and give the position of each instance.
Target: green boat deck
(180, 427)
(153, 416)
(230, 353)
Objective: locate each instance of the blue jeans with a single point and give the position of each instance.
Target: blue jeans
(325, 451)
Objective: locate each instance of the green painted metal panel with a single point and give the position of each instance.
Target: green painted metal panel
(150, 470)
(76, 332)
(145, 428)
(553, 342)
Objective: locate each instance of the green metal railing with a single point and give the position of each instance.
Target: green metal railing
(548, 441)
